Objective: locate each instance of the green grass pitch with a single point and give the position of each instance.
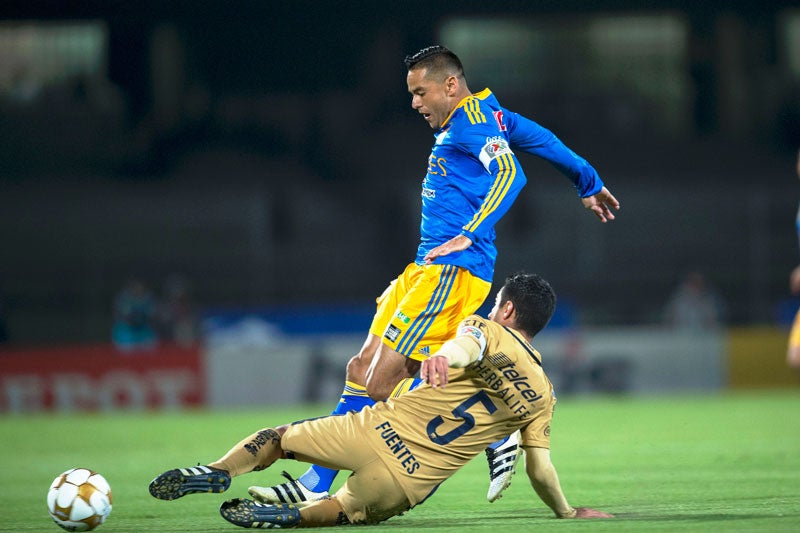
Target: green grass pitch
(728, 462)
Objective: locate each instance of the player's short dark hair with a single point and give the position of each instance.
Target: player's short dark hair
(533, 298)
(437, 59)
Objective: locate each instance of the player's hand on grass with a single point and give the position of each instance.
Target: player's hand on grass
(434, 371)
(585, 512)
(601, 204)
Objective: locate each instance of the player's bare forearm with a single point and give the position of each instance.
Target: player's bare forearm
(456, 244)
(548, 488)
(544, 479)
(550, 492)
(602, 204)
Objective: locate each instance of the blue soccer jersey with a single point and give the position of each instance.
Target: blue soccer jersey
(474, 177)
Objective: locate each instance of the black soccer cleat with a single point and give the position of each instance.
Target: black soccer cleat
(250, 514)
(174, 484)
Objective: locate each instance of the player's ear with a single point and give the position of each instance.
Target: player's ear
(508, 310)
(451, 85)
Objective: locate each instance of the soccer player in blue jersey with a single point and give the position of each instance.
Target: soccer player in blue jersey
(472, 179)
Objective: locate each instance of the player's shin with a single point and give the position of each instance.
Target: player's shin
(256, 452)
(354, 398)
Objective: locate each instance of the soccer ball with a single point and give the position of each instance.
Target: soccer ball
(79, 500)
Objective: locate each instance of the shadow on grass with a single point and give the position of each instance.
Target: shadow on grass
(699, 517)
(531, 520)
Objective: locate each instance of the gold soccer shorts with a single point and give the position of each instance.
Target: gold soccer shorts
(370, 495)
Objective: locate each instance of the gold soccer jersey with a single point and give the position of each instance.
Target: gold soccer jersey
(426, 435)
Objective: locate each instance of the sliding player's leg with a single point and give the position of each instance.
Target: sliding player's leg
(256, 452)
(369, 495)
(316, 482)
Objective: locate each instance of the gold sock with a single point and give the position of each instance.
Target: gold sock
(255, 452)
(326, 512)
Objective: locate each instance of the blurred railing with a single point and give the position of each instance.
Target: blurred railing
(70, 245)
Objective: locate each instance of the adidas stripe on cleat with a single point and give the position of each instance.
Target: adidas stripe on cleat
(250, 514)
(291, 491)
(174, 484)
(502, 465)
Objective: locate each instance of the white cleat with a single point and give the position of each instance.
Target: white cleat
(291, 491)
(502, 465)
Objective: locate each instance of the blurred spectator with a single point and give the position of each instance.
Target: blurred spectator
(694, 305)
(134, 318)
(177, 320)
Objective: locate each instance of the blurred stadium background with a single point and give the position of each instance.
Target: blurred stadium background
(255, 165)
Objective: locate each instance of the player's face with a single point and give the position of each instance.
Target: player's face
(493, 312)
(502, 312)
(428, 97)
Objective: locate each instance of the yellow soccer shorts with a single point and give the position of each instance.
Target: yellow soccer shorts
(421, 309)
(794, 335)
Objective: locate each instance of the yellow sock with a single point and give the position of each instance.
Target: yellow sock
(354, 389)
(403, 387)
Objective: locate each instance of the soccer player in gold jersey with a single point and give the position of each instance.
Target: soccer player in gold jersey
(483, 385)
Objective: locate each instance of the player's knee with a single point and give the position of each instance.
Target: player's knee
(357, 368)
(385, 372)
(378, 388)
(359, 364)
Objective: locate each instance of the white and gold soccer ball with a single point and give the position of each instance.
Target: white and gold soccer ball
(79, 500)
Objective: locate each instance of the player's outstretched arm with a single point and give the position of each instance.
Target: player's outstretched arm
(544, 479)
(601, 204)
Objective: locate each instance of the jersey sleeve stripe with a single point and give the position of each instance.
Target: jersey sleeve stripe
(507, 170)
(473, 109)
(468, 110)
(420, 325)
